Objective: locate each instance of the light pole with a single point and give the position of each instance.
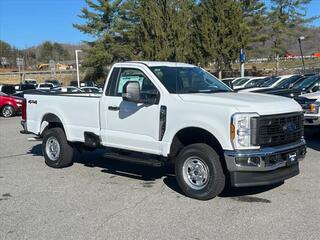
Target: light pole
(77, 65)
(242, 60)
(302, 58)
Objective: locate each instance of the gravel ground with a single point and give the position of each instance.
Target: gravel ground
(99, 198)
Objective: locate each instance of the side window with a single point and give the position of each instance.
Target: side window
(131, 74)
(112, 82)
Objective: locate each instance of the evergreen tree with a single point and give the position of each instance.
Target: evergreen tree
(285, 15)
(220, 28)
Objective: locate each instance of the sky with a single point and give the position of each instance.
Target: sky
(25, 23)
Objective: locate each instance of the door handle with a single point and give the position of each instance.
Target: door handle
(113, 108)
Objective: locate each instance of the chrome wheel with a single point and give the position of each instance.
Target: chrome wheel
(7, 111)
(53, 148)
(195, 173)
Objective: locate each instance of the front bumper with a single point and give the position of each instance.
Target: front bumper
(311, 120)
(265, 166)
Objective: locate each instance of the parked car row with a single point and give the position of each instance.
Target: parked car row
(305, 89)
(11, 96)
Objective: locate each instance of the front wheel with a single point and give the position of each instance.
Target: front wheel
(199, 172)
(57, 152)
(7, 111)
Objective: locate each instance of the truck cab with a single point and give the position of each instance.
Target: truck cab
(175, 113)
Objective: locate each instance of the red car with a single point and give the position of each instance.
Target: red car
(9, 105)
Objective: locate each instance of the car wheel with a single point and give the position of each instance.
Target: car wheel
(58, 153)
(199, 172)
(7, 111)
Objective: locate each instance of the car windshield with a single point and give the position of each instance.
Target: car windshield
(56, 82)
(255, 82)
(306, 83)
(188, 80)
(240, 81)
(286, 83)
(46, 85)
(269, 81)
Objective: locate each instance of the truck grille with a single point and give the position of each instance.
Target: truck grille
(276, 129)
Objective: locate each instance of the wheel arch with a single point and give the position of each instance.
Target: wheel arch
(50, 120)
(191, 135)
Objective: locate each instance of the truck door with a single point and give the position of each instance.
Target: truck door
(129, 125)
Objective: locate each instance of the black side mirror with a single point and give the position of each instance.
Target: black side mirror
(315, 89)
(131, 92)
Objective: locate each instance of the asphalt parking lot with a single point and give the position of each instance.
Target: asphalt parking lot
(98, 198)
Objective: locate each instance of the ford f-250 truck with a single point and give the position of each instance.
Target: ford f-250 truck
(163, 112)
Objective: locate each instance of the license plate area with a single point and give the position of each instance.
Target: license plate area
(291, 158)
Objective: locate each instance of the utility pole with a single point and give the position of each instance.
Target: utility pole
(77, 65)
(242, 60)
(302, 58)
(19, 62)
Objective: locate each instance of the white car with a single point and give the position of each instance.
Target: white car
(240, 81)
(45, 86)
(270, 82)
(91, 89)
(67, 89)
(157, 113)
(249, 83)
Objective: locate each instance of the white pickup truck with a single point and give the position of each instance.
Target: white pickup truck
(162, 112)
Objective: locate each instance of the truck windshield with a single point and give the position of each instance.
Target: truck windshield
(188, 80)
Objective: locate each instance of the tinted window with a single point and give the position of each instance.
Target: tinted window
(306, 83)
(8, 89)
(288, 81)
(255, 83)
(269, 81)
(240, 81)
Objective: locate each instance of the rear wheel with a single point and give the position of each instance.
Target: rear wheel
(7, 111)
(199, 172)
(58, 153)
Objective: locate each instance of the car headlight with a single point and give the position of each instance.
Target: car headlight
(240, 130)
(313, 108)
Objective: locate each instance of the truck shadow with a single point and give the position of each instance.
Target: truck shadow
(95, 159)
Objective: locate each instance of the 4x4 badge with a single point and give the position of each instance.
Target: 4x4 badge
(33, 101)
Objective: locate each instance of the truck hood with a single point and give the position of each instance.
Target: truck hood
(262, 104)
(315, 95)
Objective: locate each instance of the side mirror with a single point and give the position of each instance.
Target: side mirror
(315, 89)
(131, 92)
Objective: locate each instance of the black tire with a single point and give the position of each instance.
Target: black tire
(64, 157)
(7, 111)
(199, 156)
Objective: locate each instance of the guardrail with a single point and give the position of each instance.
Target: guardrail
(70, 71)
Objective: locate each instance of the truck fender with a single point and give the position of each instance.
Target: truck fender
(43, 126)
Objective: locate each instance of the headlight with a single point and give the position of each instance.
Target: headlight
(313, 108)
(240, 130)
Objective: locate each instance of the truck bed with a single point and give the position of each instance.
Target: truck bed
(79, 111)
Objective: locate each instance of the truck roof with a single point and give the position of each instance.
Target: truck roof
(158, 64)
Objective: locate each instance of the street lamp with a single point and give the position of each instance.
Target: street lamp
(77, 65)
(299, 40)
